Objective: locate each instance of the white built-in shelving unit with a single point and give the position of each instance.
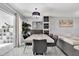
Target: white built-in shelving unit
(46, 25)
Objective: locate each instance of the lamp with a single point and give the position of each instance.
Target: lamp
(36, 13)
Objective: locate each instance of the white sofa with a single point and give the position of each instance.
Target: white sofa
(5, 47)
(70, 45)
(71, 40)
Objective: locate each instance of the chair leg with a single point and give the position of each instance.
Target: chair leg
(34, 53)
(24, 49)
(44, 53)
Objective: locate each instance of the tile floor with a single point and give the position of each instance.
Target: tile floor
(18, 51)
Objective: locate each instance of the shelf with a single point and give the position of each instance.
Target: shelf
(46, 18)
(46, 32)
(46, 25)
(45, 22)
(45, 29)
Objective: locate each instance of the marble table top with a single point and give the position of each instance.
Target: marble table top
(39, 37)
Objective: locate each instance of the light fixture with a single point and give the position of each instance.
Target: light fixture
(36, 13)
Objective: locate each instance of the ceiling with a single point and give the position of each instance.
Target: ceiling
(48, 9)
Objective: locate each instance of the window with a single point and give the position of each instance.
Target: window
(6, 22)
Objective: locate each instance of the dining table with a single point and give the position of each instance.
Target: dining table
(38, 37)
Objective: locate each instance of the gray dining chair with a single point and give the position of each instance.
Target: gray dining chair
(55, 38)
(39, 47)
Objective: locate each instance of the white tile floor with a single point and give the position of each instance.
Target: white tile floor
(51, 51)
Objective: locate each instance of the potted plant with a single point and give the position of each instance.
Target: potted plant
(25, 29)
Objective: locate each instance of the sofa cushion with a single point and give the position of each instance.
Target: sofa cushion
(72, 41)
(76, 47)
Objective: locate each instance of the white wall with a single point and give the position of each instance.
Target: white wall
(31, 19)
(56, 29)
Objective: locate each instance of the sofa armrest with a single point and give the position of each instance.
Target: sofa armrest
(76, 47)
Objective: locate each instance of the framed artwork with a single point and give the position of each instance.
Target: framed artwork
(65, 23)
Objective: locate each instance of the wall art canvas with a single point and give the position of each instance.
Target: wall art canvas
(66, 23)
